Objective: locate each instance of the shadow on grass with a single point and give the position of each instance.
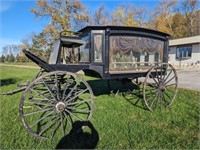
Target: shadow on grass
(99, 87)
(135, 98)
(8, 81)
(126, 88)
(78, 138)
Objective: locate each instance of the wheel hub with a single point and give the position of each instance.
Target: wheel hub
(60, 106)
(161, 85)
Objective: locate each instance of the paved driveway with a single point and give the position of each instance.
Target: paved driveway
(189, 79)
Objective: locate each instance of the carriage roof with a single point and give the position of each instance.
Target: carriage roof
(125, 28)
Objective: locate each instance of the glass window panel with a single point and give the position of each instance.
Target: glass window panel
(177, 53)
(69, 55)
(133, 52)
(156, 57)
(180, 50)
(84, 50)
(185, 52)
(189, 51)
(98, 47)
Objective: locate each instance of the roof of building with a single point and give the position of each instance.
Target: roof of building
(131, 28)
(185, 41)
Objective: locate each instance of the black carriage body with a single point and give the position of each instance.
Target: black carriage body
(111, 52)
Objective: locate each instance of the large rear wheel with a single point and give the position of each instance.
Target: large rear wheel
(53, 102)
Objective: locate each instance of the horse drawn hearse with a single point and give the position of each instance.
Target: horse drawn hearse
(57, 96)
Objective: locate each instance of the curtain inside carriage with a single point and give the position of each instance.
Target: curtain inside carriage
(129, 52)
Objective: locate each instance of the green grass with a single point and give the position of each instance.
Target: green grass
(117, 123)
(21, 63)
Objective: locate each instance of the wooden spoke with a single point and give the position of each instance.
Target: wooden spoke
(154, 100)
(153, 79)
(168, 75)
(47, 124)
(57, 86)
(49, 89)
(77, 95)
(169, 80)
(69, 94)
(38, 103)
(54, 126)
(68, 118)
(66, 86)
(43, 110)
(36, 122)
(40, 94)
(74, 115)
(62, 124)
(164, 100)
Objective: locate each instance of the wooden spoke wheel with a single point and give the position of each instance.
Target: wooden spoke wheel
(160, 86)
(53, 102)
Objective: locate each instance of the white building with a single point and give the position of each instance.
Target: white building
(185, 51)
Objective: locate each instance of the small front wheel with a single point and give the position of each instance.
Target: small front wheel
(160, 86)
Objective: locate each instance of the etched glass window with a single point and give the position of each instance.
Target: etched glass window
(133, 52)
(98, 47)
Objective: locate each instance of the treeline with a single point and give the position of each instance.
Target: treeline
(14, 53)
(7, 58)
(178, 18)
(44, 55)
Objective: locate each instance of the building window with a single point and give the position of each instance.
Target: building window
(184, 52)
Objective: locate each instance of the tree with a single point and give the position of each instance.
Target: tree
(178, 26)
(27, 41)
(22, 58)
(162, 12)
(11, 49)
(118, 16)
(101, 16)
(140, 14)
(124, 15)
(192, 16)
(11, 58)
(64, 15)
(2, 58)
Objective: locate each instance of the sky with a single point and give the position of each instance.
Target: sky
(17, 22)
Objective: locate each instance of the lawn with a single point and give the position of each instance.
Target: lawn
(117, 122)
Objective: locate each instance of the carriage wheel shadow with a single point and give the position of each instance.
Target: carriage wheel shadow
(79, 137)
(135, 98)
(132, 94)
